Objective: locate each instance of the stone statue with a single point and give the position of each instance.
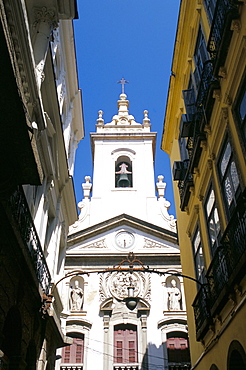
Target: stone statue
(174, 297)
(76, 297)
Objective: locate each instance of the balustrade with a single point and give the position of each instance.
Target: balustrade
(23, 222)
(226, 269)
(126, 367)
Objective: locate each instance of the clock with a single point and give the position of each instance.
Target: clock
(124, 239)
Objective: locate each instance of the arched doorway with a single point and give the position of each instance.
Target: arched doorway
(236, 357)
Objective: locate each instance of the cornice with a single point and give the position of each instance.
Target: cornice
(118, 221)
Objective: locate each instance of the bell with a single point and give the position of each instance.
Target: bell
(123, 181)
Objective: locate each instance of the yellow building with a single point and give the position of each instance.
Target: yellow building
(205, 136)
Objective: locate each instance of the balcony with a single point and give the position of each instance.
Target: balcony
(178, 366)
(126, 367)
(184, 189)
(226, 270)
(71, 367)
(220, 33)
(182, 174)
(202, 311)
(228, 264)
(198, 114)
(21, 221)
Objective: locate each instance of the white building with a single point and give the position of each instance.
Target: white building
(123, 215)
(41, 125)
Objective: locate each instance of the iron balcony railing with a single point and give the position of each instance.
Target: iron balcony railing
(199, 116)
(196, 134)
(226, 269)
(179, 366)
(230, 257)
(220, 33)
(204, 105)
(201, 308)
(23, 223)
(126, 367)
(71, 367)
(207, 81)
(184, 189)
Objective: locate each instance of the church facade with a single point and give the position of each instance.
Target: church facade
(123, 223)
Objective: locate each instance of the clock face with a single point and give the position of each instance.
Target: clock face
(124, 239)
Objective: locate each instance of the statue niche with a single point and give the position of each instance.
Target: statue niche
(174, 297)
(76, 297)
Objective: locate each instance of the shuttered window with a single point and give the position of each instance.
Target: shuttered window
(74, 354)
(125, 344)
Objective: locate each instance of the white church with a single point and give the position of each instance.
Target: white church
(124, 215)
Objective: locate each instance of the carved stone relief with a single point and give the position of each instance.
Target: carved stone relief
(115, 285)
(97, 244)
(151, 244)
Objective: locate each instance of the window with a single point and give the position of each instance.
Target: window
(178, 351)
(213, 222)
(74, 354)
(210, 8)
(228, 176)
(198, 256)
(200, 57)
(123, 172)
(240, 110)
(125, 344)
(189, 100)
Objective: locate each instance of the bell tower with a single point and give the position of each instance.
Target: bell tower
(123, 153)
(124, 218)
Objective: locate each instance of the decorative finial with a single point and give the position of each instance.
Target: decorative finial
(160, 185)
(122, 82)
(100, 120)
(146, 120)
(86, 186)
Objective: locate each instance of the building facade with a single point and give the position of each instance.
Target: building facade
(123, 216)
(41, 124)
(204, 134)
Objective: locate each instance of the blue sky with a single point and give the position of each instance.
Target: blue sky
(132, 39)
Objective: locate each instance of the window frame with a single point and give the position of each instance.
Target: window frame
(227, 174)
(240, 124)
(71, 352)
(210, 10)
(199, 276)
(122, 341)
(208, 217)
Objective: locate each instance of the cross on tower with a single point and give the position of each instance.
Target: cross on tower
(123, 82)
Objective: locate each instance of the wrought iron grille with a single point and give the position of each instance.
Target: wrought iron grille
(184, 185)
(201, 308)
(206, 80)
(71, 367)
(23, 221)
(225, 10)
(126, 367)
(201, 115)
(179, 366)
(227, 258)
(226, 268)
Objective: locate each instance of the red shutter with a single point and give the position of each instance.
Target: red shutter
(125, 344)
(74, 354)
(178, 350)
(119, 351)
